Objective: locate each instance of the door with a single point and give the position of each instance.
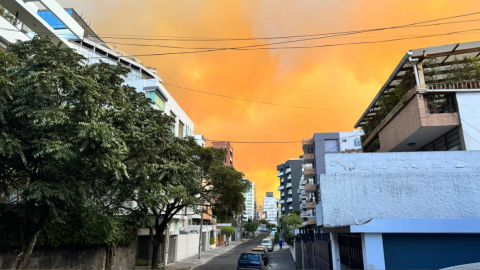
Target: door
(172, 249)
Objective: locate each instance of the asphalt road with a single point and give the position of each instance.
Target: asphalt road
(279, 259)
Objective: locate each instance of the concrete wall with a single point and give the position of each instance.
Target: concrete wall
(359, 187)
(469, 110)
(73, 257)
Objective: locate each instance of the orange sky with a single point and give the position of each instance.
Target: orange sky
(341, 78)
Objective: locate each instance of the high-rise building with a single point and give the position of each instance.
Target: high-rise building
(251, 200)
(228, 147)
(290, 174)
(315, 149)
(270, 205)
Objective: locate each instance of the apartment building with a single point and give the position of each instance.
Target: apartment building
(67, 27)
(250, 200)
(315, 149)
(413, 194)
(270, 205)
(228, 147)
(290, 174)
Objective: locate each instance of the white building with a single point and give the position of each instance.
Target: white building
(270, 205)
(412, 201)
(251, 201)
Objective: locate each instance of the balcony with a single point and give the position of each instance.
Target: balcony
(289, 185)
(279, 174)
(303, 195)
(289, 177)
(290, 192)
(289, 170)
(289, 200)
(308, 158)
(279, 209)
(283, 194)
(283, 208)
(310, 188)
(310, 205)
(282, 180)
(281, 201)
(312, 220)
(290, 207)
(280, 188)
(309, 171)
(306, 214)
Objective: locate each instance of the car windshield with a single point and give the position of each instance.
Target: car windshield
(250, 257)
(266, 242)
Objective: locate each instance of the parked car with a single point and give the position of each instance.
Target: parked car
(250, 260)
(262, 251)
(268, 243)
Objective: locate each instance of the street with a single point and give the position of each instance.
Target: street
(279, 259)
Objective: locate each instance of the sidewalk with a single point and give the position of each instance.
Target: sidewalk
(193, 261)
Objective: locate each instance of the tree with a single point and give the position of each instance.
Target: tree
(182, 174)
(7, 15)
(227, 231)
(270, 226)
(251, 226)
(289, 223)
(276, 238)
(70, 137)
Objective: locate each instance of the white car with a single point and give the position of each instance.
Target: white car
(268, 244)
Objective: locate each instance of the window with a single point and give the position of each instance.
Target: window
(157, 101)
(180, 129)
(344, 140)
(52, 20)
(357, 142)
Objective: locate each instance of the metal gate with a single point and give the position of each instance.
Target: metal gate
(350, 246)
(172, 248)
(323, 251)
(298, 252)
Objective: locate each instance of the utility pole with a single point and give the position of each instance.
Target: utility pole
(200, 238)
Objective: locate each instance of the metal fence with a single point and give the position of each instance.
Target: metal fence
(350, 246)
(313, 250)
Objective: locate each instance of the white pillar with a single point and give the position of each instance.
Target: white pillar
(372, 249)
(335, 251)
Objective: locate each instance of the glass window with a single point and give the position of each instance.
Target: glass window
(180, 129)
(52, 20)
(157, 100)
(357, 142)
(440, 144)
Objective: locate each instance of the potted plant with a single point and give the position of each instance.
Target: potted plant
(212, 243)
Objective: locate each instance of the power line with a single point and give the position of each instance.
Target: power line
(249, 48)
(306, 35)
(256, 101)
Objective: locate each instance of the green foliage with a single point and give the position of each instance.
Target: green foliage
(228, 231)
(71, 136)
(270, 226)
(7, 15)
(212, 240)
(276, 238)
(251, 226)
(289, 223)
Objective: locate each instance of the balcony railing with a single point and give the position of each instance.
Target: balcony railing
(281, 188)
(281, 201)
(289, 185)
(312, 220)
(441, 103)
(307, 157)
(289, 200)
(289, 170)
(310, 188)
(283, 194)
(310, 205)
(290, 192)
(290, 207)
(279, 174)
(282, 180)
(309, 171)
(289, 177)
(308, 141)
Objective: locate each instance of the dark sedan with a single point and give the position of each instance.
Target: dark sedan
(250, 260)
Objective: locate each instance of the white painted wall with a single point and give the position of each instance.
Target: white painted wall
(187, 245)
(170, 106)
(372, 247)
(10, 33)
(360, 187)
(469, 112)
(347, 139)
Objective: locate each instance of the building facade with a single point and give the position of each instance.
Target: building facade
(270, 205)
(413, 192)
(251, 201)
(228, 147)
(290, 174)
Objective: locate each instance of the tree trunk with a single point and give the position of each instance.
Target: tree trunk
(110, 253)
(27, 248)
(155, 255)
